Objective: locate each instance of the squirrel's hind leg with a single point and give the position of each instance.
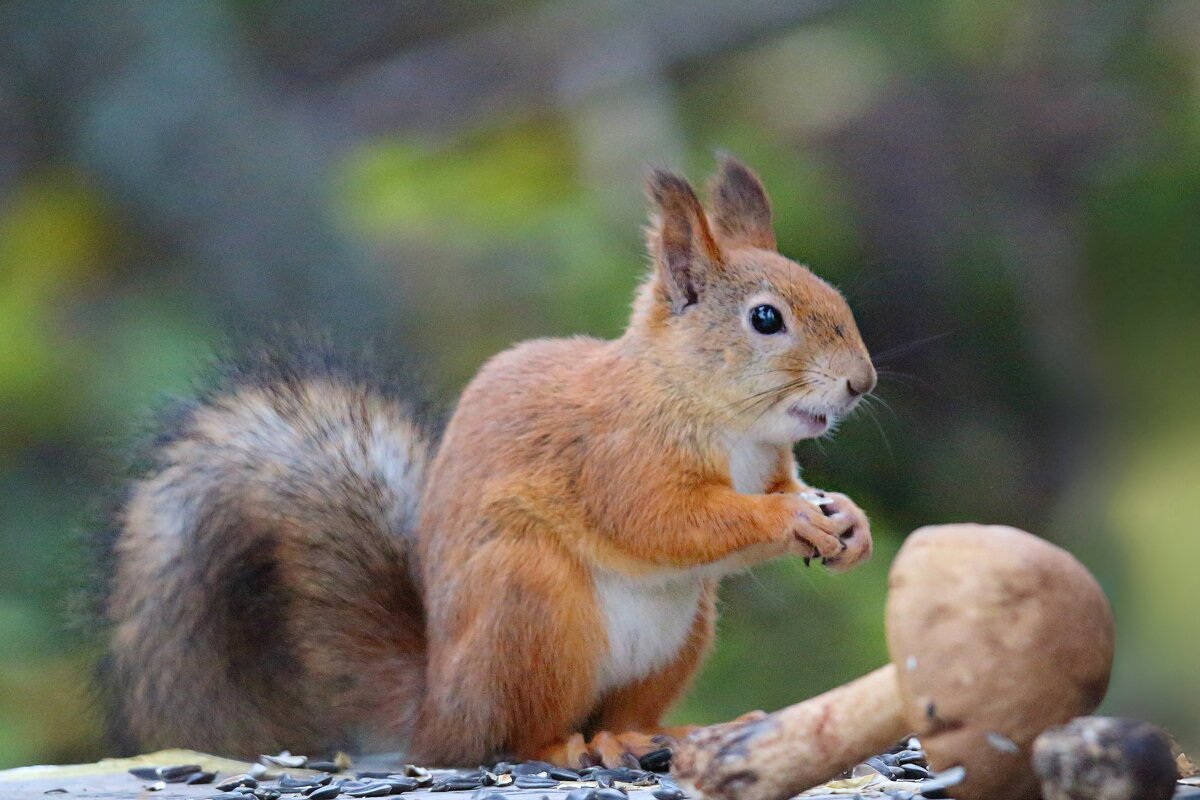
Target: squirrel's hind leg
(629, 719)
(512, 633)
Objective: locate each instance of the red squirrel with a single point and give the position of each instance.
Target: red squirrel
(302, 567)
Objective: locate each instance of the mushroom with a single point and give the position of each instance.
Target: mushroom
(994, 634)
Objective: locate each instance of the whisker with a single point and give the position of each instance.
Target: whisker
(906, 378)
(766, 397)
(786, 386)
(886, 443)
(882, 402)
(907, 347)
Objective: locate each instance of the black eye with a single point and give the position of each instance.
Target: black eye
(766, 319)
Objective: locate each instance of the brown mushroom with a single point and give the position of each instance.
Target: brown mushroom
(995, 635)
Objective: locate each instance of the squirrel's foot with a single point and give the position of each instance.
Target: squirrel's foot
(610, 749)
(854, 533)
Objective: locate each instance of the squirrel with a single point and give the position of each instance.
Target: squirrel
(302, 567)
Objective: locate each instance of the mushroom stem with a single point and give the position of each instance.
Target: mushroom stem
(995, 635)
(795, 748)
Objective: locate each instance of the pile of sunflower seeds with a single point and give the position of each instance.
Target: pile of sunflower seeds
(900, 774)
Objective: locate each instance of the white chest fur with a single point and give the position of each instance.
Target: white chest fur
(647, 620)
(751, 464)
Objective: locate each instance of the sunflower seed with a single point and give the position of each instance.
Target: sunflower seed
(910, 757)
(177, 774)
(562, 774)
(326, 792)
(267, 793)
(883, 768)
(610, 794)
(532, 768)
(582, 793)
(287, 782)
(145, 773)
(376, 789)
(424, 777)
(231, 783)
(459, 783)
(534, 782)
(916, 771)
(656, 760)
(157, 786)
(284, 759)
(201, 777)
(668, 791)
(401, 783)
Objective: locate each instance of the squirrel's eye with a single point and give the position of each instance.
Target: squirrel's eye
(766, 319)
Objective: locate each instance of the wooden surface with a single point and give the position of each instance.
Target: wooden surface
(110, 780)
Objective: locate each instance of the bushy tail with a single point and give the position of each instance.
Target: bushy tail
(262, 593)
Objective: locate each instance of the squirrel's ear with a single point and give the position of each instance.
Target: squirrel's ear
(741, 210)
(679, 239)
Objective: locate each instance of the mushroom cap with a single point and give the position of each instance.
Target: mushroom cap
(996, 635)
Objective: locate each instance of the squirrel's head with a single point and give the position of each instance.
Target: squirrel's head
(751, 334)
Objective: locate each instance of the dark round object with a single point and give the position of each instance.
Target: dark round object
(657, 760)
(766, 319)
(1094, 758)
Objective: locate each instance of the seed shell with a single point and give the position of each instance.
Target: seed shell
(179, 773)
(656, 760)
(201, 777)
(231, 783)
(375, 789)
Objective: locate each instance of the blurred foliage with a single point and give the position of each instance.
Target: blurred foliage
(1007, 193)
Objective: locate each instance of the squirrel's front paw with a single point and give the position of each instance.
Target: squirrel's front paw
(813, 532)
(851, 527)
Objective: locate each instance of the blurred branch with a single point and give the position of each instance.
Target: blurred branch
(518, 64)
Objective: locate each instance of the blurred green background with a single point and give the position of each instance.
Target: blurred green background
(1008, 192)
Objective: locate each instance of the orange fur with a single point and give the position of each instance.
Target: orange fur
(565, 458)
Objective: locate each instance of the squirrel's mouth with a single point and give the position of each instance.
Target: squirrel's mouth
(817, 423)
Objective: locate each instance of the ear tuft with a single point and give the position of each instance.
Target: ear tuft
(741, 210)
(680, 240)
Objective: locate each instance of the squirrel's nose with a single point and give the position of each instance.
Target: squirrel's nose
(862, 383)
